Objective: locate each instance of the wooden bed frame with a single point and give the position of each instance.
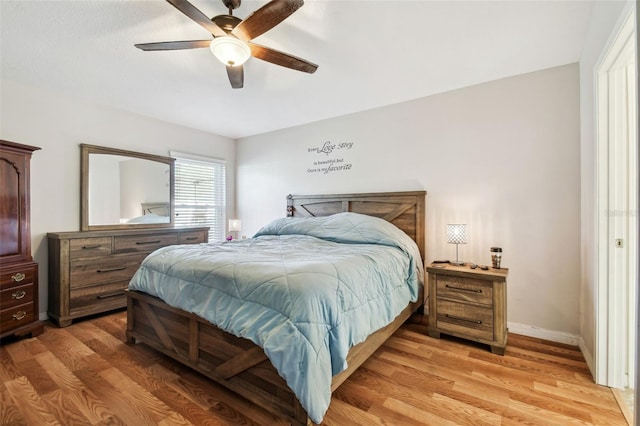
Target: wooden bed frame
(238, 363)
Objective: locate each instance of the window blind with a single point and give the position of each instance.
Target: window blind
(200, 193)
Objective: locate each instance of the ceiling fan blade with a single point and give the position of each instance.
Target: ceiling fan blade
(282, 59)
(195, 15)
(174, 45)
(236, 76)
(265, 18)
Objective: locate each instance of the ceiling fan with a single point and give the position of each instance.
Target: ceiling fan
(232, 37)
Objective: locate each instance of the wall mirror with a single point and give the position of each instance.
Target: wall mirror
(125, 189)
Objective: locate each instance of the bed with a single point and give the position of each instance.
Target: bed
(158, 212)
(264, 372)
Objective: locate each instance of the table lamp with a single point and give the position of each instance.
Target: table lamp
(234, 227)
(457, 234)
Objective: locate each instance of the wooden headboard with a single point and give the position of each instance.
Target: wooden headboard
(406, 210)
(159, 208)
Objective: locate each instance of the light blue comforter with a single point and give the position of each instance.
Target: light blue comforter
(305, 290)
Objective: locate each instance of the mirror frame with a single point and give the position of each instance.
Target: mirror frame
(85, 151)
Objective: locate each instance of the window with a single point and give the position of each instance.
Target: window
(200, 193)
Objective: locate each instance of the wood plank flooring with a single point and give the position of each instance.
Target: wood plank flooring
(86, 375)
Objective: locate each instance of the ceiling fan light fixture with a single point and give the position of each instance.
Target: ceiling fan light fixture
(230, 50)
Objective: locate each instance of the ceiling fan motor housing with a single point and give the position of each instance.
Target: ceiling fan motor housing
(226, 22)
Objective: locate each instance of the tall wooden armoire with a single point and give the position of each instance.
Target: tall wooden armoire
(18, 272)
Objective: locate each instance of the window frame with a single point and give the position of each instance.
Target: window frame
(217, 223)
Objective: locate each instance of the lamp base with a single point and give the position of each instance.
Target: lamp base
(457, 262)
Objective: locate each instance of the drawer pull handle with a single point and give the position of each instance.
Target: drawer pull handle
(462, 319)
(191, 238)
(470, 290)
(18, 277)
(106, 296)
(19, 315)
(95, 246)
(119, 268)
(141, 243)
(17, 295)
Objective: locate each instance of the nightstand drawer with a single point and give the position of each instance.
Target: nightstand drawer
(474, 321)
(465, 289)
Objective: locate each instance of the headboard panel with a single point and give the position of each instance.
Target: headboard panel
(159, 208)
(406, 210)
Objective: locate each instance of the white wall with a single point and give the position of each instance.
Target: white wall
(104, 190)
(146, 182)
(58, 124)
(603, 20)
(502, 157)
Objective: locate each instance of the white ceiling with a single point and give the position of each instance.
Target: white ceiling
(370, 54)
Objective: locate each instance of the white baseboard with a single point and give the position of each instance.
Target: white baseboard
(555, 336)
(543, 333)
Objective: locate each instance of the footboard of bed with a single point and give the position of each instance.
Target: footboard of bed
(236, 363)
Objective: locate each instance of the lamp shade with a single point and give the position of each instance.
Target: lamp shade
(234, 225)
(457, 233)
(230, 51)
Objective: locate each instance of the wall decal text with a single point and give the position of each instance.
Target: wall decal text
(328, 165)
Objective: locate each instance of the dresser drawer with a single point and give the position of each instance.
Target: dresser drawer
(115, 268)
(465, 289)
(474, 321)
(195, 237)
(20, 275)
(89, 247)
(15, 296)
(17, 316)
(98, 296)
(143, 243)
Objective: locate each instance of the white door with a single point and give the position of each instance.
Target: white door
(617, 210)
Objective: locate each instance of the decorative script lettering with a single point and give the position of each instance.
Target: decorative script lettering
(328, 165)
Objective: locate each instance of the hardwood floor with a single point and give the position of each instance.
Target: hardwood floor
(85, 374)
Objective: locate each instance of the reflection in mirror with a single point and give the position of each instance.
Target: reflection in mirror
(125, 189)
(121, 187)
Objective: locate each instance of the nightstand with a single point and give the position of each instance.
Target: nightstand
(469, 303)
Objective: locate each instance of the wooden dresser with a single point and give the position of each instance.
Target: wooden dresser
(18, 272)
(469, 303)
(89, 271)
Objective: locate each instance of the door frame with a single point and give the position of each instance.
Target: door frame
(609, 365)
